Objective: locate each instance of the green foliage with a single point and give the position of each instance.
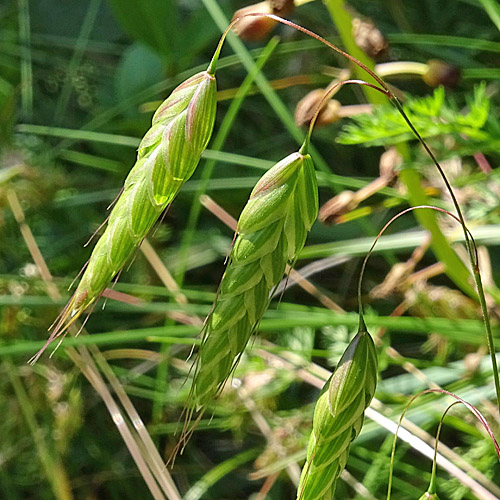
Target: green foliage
(74, 98)
(433, 116)
(154, 15)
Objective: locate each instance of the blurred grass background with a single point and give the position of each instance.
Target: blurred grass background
(78, 84)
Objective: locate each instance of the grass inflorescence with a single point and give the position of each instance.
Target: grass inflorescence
(460, 127)
(167, 157)
(272, 230)
(338, 417)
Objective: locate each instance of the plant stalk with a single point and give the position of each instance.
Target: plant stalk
(343, 21)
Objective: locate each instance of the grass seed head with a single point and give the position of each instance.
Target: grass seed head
(181, 129)
(338, 418)
(271, 231)
(167, 157)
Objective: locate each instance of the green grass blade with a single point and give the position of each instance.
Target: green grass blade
(492, 8)
(267, 91)
(200, 488)
(79, 135)
(460, 42)
(51, 464)
(26, 66)
(76, 59)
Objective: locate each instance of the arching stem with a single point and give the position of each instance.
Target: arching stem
(469, 406)
(384, 88)
(397, 216)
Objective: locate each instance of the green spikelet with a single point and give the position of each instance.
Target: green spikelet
(338, 417)
(272, 229)
(429, 496)
(167, 157)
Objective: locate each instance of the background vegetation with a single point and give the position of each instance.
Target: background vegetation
(78, 84)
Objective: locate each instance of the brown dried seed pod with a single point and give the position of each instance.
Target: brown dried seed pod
(369, 38)
(282, 7)
(307, 106)
(337, 206)
(441, 73)
(395, 281)
(254, 28)
(390, 161)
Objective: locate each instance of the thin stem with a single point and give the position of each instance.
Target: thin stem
(432, 485)
(50, 461)
(474, 411)
(395, 68)
(455, 268)
(76, 59)
(337, 11)
(357, 62)
(331, 90)
(399, 107)
(470, 248)
(342, 20)
(470, 407)
(397, 216)
(217, 145)
(26, 63)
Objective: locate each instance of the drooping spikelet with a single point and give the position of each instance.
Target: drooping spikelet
(338, 417)
(272, 229)
(167, 157)
(429, 496)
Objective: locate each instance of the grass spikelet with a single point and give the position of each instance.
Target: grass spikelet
(338, 417)
(167, 157)
(429, 496)
(272, 229)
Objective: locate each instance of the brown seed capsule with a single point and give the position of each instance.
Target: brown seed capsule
(441, 73)
(390, 161)
(395, 281)
(307, 106)
(254, 28)
(282, 7)
(369, 38)
(337, 206)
